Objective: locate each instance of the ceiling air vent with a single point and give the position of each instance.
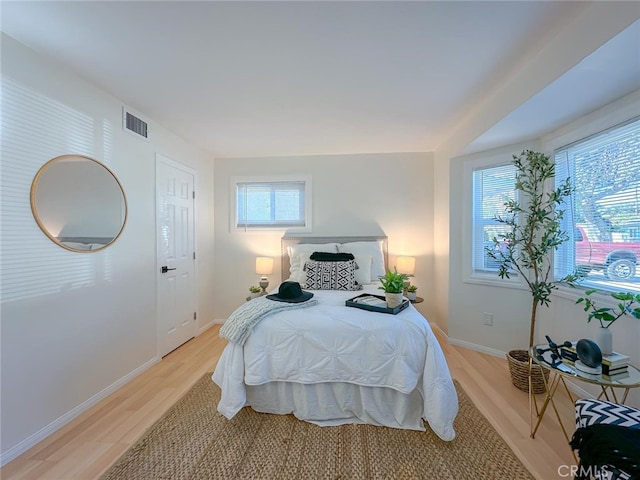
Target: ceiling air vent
(134, 124)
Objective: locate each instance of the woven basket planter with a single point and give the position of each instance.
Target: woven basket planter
(519, 368)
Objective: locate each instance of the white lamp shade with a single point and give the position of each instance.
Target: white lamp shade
(406, 265)
(264, 265)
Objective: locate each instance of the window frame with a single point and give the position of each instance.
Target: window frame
(472, 163)
(569, 224)
(478, 227)
(270, 179)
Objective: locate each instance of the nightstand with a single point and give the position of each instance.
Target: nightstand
(417, 300)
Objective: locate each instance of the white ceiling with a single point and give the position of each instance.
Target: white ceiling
(282, 78)
(608, 73)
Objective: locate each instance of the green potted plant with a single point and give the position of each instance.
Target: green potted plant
(533, 232)
(393, 286)
(627, 305)
(255, 291)
(411, 292)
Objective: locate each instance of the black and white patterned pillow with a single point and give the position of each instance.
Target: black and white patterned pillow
(331, 275)
(590, 413)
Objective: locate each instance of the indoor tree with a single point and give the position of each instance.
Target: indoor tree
(533, 230)
(532, 224)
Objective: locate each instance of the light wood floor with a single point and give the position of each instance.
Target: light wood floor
(88, 445)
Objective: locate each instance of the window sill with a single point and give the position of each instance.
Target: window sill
(604, 291)
(281, 230)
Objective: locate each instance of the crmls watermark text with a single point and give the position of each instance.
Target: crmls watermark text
(597, 473)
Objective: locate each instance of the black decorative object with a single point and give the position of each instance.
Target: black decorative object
(554, 349)
(589, 353)
(290, 292)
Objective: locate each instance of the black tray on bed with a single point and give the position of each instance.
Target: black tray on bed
(360, 302)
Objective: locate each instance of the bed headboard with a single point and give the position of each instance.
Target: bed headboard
(290, 240)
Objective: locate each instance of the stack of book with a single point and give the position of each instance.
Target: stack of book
(614, 366)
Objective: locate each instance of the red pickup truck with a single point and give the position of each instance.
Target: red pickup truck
(617, 260)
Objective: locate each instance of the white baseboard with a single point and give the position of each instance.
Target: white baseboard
(574, 387)
(477, 348)
(47, 430)
(219, 320)
(206, 327)
(436, 328)
(461, 343)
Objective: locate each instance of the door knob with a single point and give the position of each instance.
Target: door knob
(165, 269)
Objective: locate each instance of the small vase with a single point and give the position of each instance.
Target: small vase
(605, 340)
(412, 295)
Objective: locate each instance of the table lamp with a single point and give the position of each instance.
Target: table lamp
(264, 266)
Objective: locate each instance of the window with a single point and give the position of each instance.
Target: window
(271, 203)
(492, 187)
(603, 217)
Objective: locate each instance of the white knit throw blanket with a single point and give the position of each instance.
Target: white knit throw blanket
(239, 324)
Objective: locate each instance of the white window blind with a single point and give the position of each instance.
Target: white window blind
(603, 216)
(271, 204)
(492, 187)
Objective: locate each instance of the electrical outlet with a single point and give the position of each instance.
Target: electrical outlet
(488, 319)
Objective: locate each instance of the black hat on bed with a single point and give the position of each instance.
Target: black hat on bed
(290, 292)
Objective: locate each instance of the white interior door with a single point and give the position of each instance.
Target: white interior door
(175, 205)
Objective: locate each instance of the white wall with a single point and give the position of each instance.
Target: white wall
(368, 194)
(468, 302)
(441, 242)
(511, 307)
(76, 324)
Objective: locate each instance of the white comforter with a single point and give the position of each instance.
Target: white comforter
(333, 343)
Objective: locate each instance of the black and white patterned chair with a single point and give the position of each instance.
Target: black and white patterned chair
(607, 439)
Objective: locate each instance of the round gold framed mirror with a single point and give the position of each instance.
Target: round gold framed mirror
(78, 203)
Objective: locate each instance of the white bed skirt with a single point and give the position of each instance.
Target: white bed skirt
(328, 404)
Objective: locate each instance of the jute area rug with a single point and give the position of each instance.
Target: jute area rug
(193, 441)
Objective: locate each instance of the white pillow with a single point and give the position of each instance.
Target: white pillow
(363, 272)
(300, 253)
(296, 272)
(367, 248)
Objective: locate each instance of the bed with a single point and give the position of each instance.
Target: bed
(330, 364)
